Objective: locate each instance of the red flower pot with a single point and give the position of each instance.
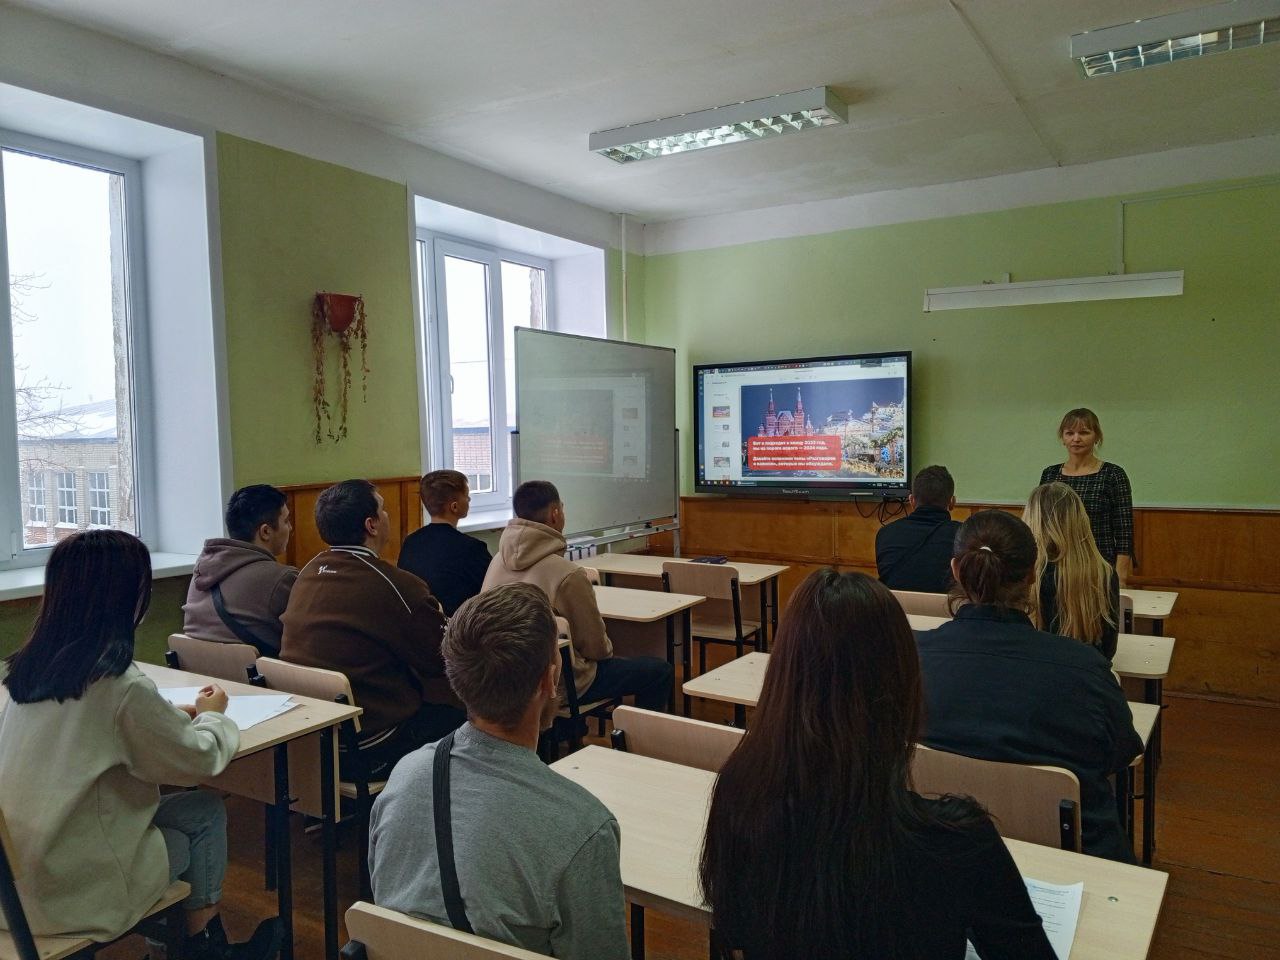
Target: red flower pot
(339, 310)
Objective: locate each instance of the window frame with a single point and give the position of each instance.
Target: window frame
(92, 491)
(32, 490)
(14, 554)
(71, 509)
(432, 248)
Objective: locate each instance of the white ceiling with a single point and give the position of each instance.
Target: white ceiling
(939, 90)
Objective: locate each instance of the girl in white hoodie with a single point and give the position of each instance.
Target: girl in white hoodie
(85, 741)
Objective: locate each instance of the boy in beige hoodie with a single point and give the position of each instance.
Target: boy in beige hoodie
(532, 551)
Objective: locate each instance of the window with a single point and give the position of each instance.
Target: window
(99, 500)
(35, 497)
(479, 296)
(67, 499)
(68, 342)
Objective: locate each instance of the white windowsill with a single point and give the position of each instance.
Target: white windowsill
(494, 519)
(29, 581)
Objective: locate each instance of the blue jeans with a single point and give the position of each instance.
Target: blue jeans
(194, 825)
(647, 678)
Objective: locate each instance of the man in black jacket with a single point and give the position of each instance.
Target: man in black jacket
(914, 553)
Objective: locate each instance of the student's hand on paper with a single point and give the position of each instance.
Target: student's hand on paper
(211, 698)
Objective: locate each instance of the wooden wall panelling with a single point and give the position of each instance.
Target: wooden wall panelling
(399, 495)
(1230, 549)
(1225, 564)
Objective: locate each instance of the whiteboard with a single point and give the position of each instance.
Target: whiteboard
(597, 418)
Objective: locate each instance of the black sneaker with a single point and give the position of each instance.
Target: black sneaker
(211, 942)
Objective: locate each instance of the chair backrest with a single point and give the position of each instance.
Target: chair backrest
(923, 604)
(381, 934)
(664, 736)
(1031, 803)
(1126, 614)
(307, 681)
(715, 581)
(226, 661)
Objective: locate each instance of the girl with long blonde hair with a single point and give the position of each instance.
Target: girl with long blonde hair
(1077, 593)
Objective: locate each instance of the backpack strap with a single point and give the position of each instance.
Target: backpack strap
(242, 632)
(453, 903)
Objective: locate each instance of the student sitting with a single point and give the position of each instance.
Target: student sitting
(84, 743)
(815, 846)
(238, 591)
(534, 858)
(532, 551)
(353, 612)
(914, 553)
(996, 688)
(452, 563)
(1076, 593)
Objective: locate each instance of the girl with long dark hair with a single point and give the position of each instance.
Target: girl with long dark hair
(996, 688)
(816, 846)
(84, 743)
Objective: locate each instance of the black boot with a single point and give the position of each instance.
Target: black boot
(211, 942)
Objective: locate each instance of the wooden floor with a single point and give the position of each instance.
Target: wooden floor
(1218, 833)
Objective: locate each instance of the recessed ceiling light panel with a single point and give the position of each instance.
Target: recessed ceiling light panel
(1177, 36)
(735, 123)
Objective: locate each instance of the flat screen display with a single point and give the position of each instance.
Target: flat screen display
(816, 427)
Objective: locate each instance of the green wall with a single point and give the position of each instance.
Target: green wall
(293, 226)
(1186, 387)
(163, 618)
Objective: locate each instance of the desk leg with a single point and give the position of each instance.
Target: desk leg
(1124, 790)
(686, 656)
(740, 716)
(671, 659)
(773, 609)
(637, 932)
(329, 838)
(606, 578)
(1149, 796)
(763, 646)
(1153, 691)
(1157, 627)
(284, 850)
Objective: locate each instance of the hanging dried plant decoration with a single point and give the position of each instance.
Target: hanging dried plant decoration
(342, 315)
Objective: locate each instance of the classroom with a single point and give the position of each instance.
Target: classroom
(522, 271)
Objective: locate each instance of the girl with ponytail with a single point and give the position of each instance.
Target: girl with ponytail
(997, 688)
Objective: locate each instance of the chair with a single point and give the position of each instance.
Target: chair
(715, 582)
(571, 721)
(1126, 613)
(923, 604)
(1032, 803)
(381, 934)
(163, 922)
(334, 686)
(213, 658)
(682, 740)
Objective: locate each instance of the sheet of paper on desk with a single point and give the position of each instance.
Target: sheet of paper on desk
(1059, 907)
(245, 711)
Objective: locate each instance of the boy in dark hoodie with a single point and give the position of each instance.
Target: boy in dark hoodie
(238, 590)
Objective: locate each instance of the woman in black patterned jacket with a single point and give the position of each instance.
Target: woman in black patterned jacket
(1104, 488)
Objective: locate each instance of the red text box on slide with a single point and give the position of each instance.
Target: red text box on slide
(786, 454)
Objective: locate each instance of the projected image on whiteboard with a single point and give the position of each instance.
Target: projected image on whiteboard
(586, 426)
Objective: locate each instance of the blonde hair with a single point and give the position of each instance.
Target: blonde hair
(1060, 525)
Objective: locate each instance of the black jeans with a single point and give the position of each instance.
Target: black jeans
(649, 679)
(429, 724)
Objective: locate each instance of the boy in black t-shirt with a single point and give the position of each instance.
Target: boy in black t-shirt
(452, 563)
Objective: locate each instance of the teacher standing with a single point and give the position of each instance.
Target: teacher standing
(1104, 488)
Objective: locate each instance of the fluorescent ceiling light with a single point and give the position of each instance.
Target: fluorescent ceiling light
(1125, 286)
(749, 120)
(1177, 36)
